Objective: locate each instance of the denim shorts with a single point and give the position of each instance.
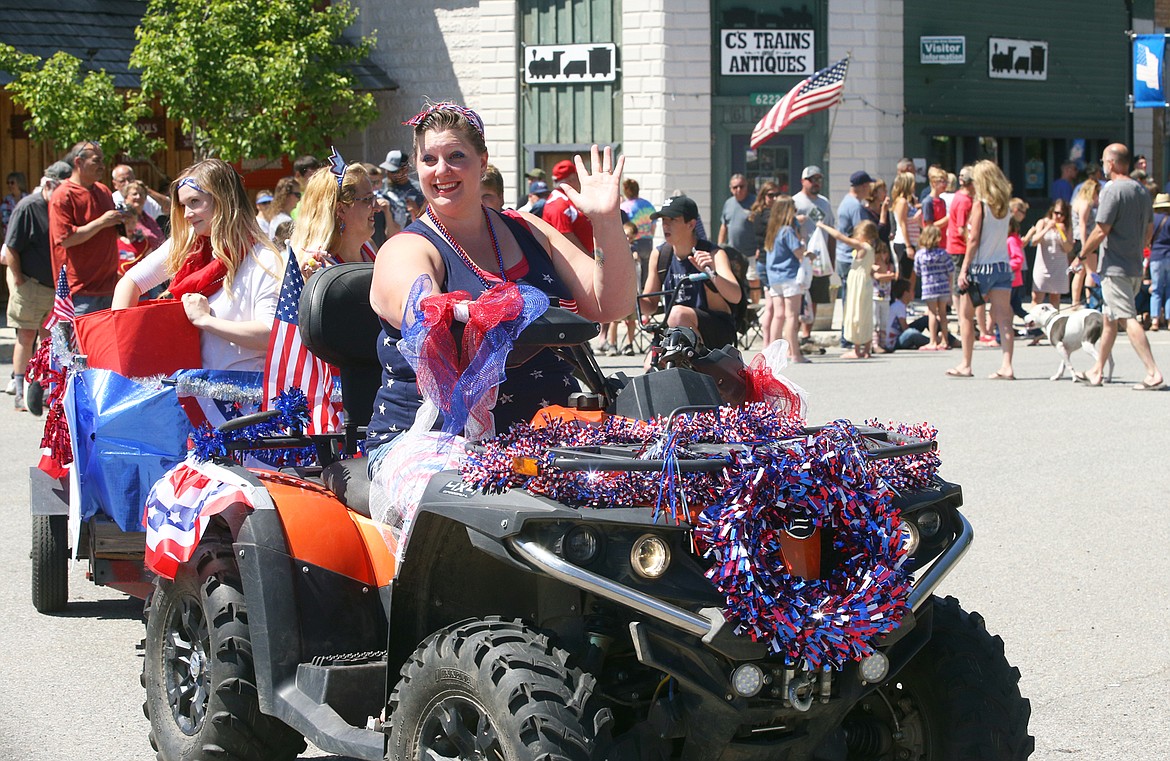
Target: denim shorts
(991, 277)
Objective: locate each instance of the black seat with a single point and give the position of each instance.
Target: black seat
(349, 480)
(339, 326)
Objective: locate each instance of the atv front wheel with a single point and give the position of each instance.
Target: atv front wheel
(200, 682)
(491, 689)
(958, 698)
(50, 563)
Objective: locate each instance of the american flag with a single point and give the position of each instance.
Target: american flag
(820, 91)
(289, 363)
(62, 303)
(178, 509)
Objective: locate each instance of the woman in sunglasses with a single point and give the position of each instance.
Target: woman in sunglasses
(335, 221)
(1052, 236)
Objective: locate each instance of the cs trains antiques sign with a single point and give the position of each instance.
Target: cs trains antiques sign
(766, 52)
(570, 64)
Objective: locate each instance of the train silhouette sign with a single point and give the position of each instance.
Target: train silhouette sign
(1017, 59)
(570, 64)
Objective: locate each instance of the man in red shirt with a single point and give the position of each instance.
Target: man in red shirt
(560, 212)
(82, 220)
(958, 214)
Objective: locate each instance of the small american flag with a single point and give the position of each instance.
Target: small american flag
(289, 363)
(62, 303)
(820, 91)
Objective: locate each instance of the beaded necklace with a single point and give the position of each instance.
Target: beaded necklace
(475, 268)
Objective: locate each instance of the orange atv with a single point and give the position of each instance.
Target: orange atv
(515, 627)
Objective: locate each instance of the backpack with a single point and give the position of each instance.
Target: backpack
(739, 267)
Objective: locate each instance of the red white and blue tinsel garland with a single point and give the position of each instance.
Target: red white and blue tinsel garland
(829, 621)
(819, 623)
(491, 468)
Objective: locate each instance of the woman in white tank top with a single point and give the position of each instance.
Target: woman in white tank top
(986, 267)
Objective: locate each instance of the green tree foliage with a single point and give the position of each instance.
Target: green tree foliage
(67, 106)
(253, 78)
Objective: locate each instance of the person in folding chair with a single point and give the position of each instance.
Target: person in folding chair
(698, 274)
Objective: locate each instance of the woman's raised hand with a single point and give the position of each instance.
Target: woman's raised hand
(600, 184)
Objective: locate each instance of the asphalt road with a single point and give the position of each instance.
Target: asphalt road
(1063, 484)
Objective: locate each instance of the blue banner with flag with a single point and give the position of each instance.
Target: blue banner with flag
(1148, 77)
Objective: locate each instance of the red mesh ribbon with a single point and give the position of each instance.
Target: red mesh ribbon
(763, 385)
(458, 381)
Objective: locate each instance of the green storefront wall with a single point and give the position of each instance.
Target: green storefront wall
(958, 113)
(733, 113)
(557, 121)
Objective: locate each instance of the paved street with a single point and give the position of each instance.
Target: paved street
(1063, 484)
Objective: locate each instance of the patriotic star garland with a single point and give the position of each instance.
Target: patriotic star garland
(825, 479)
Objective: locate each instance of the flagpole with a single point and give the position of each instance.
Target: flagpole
(833, 121)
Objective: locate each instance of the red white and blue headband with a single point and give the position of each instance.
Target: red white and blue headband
(472, 118)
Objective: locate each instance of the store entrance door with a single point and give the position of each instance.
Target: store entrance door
(779, 160)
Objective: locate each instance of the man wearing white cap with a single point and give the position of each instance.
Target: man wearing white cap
(396, 186)
(812, 207)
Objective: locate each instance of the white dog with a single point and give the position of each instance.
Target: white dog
(1069, 331)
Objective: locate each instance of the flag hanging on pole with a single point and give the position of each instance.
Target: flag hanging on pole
(820, 91)
(1149, 53)
(62, 303)
(289, 363)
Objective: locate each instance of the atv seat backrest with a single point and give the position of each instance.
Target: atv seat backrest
(339, 326)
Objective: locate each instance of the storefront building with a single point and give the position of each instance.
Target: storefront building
(1025, 95)
(677, 87)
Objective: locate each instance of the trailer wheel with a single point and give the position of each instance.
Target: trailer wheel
(50, 562)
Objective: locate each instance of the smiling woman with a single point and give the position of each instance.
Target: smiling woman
(460, 245)
(221, 265)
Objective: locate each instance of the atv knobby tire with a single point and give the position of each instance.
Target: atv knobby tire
(958, 698)
(198, 673)
(491, 689)
(50, 562)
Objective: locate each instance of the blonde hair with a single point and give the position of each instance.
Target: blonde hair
(234, 229)
(903, 186)
(783, 215)
(991, 187)
(316, 227)
(930, 237)
(935, 173)
(1089, 191)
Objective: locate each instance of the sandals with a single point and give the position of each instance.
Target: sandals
(956, 373)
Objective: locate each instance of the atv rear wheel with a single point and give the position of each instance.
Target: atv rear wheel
(50, 562)
(491, 689)
(200, 681)
(958, 698)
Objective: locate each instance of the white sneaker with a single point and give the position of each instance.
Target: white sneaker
(11, 387)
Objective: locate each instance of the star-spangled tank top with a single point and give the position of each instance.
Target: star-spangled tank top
(543, 380)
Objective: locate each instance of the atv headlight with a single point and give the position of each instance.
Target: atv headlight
(929, 522)
(909, 531)
(580, 545)
(747, 680)
(650, 556)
